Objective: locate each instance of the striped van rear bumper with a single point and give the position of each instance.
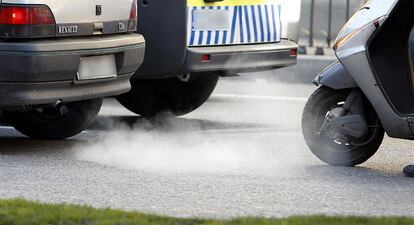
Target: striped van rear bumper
(239, 58)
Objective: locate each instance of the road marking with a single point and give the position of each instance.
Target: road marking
(261, 97)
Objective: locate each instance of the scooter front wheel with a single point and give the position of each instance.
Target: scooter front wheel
(330, 146)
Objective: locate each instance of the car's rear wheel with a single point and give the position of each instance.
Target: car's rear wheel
(178, 95)
(58, 121)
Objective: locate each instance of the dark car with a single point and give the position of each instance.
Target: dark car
(191, 43)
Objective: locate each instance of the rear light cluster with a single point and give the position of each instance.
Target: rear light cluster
(133, 16)
(26, 21)
(12, 15)
(294, 52)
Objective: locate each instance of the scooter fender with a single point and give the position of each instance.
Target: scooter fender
(336, 77)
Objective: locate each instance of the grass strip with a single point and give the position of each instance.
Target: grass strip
(22, 212)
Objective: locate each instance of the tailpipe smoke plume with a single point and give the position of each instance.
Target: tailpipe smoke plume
(174, 145)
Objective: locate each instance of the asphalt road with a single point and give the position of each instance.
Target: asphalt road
(241, 154)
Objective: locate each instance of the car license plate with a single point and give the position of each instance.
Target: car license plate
(97, 67)
(206, 19)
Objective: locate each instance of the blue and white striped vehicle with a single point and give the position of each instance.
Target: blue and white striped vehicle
(239, 24)
(191, 43)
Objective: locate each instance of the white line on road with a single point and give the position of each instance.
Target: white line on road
(261, 97)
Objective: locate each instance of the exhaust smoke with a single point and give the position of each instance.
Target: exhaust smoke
(171, 145)
(247, 127)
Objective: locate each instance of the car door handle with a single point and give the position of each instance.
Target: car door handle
(211, 1)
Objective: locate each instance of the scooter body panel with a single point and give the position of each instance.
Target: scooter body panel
(395, 125)
(336, 77)
(371, 11)
(354, 56)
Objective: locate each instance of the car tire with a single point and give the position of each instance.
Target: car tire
(55, 122)
(328, 150)
(150, 97)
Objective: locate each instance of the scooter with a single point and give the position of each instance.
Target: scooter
(368, 91)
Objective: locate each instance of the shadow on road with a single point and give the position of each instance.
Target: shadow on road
(169, 123)
(27, 146)
(12, 142)
(358, 175)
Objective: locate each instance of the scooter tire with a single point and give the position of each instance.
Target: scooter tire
(315, 111)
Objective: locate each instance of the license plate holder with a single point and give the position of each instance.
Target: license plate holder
(208, 19)
(97, 67)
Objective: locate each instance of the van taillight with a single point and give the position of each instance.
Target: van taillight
(133, 17)
(26, 21)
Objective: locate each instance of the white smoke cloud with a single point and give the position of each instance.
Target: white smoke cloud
(229, 135)
(170, 145)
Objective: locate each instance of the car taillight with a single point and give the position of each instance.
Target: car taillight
(18, 15)
(294, 52)
(26, 21)
(133, 17)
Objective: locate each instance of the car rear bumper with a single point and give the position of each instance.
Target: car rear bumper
(21, 94)
(44, 71)
(239, 58)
